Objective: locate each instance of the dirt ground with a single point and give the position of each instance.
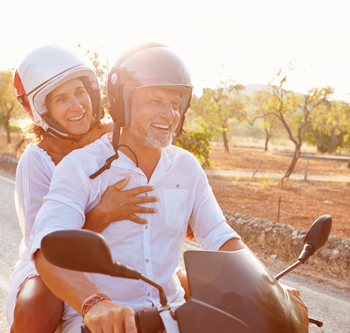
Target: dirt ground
(301, 202)
(247, 159)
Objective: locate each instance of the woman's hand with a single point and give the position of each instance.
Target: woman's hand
(190, 234)
(118, 205)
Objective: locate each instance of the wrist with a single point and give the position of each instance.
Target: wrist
(90, 301)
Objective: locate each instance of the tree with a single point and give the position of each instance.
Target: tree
(230, 106)
(221, 107)
(294, 112)
(204, 110)
(198, 143)
(8, 101)
(331, 124)
(270, 124)
(101, 67)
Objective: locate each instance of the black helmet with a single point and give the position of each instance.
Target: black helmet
(145, 65)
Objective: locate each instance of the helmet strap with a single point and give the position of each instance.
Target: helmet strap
(115, 143)
(74, 140)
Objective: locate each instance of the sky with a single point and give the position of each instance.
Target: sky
(252, 38)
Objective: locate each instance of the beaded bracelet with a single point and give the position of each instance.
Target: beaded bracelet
(92, 300)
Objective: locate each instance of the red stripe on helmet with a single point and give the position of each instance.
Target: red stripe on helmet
(17, 83)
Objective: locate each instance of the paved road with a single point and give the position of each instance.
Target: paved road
(10, 239)
(325, 303)
(229, 173)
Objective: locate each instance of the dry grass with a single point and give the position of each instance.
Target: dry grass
(315, 269)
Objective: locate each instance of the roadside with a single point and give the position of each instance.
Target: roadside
(247, 159)
(247, 174)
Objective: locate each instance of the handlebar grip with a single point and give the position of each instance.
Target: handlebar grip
(149, 321)
(145, 322)
(84, 329)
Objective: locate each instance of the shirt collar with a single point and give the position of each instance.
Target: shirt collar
(124, 162)
(164, 164)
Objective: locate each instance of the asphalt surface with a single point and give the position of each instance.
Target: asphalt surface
(325, 303)
(10, 240)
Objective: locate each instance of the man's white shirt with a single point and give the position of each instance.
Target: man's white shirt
(184, 195)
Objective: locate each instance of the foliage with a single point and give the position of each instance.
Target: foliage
(198, 143)
(323, 140)
(101, 68)
(9, 107)
(270, 124)
(331, 126)
(222, 107)
(293, 111)
(15, 129)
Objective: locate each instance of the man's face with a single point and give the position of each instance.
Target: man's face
(154, 116)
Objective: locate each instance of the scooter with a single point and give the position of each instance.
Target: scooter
(230, 291)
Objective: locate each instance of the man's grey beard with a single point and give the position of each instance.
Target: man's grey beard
(143, 135)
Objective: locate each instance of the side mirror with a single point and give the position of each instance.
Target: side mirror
(78, 250)
(87, 251)
(316, 237)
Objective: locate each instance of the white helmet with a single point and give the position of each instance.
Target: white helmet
(43, 70)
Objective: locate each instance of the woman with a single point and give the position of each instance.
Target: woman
(60, 94)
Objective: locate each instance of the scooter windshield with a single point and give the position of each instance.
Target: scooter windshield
(239, 285)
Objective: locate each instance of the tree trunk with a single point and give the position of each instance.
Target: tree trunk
(7, 123)
(317, 145)
(334, 144)
(268, 137)
(290, 170)
(7, 126)
(224, 135)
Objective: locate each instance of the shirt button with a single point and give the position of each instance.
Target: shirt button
(147, 260)
(146, 194)
(146, 227)
(148, 294)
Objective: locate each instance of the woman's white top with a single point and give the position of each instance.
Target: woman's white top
(33, 178)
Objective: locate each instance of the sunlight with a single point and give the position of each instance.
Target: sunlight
(251, 38)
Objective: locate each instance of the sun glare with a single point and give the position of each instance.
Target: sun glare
(252, 39)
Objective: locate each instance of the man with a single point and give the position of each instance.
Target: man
(150, 91)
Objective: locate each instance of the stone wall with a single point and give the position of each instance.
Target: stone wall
(287, 242)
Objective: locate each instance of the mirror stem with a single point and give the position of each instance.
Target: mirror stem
(307, 252)
(162, 296)
(286, 271)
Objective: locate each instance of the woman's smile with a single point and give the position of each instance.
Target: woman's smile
(77, 119)
(70, 105)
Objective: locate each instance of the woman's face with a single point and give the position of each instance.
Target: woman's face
(70, 105)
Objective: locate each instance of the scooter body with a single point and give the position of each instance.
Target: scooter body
(231, 292)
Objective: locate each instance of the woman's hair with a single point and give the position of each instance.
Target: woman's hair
(34, 133)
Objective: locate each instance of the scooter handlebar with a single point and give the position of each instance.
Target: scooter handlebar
(149, 321)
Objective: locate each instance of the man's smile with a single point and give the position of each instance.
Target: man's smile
(161, 126)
